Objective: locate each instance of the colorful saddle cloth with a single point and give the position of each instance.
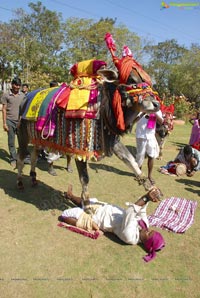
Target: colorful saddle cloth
(80, 99)
(61, 118)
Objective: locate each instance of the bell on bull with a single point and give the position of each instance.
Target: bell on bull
(86, 118)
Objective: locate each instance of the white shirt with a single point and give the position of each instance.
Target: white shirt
(123, 223)
(111, 218)
(142, 131)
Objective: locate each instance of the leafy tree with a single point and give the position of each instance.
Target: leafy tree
(185, 76)
(84, 38)
(7, 52)
(37, 39)
(163, 57)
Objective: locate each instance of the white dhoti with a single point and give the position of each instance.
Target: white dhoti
(146, 146)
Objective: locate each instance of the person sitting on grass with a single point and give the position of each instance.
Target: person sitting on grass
(190, 157)
(187, 162)
(130, 225)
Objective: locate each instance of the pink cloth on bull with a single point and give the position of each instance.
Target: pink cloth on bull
(174, 214)
(47, 123)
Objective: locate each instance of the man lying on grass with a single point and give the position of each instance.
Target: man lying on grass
(130, 225)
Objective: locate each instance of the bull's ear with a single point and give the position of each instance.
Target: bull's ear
(108, 75)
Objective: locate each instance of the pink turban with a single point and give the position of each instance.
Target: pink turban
(154, 243)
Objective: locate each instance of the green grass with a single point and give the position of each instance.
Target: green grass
(39, 259)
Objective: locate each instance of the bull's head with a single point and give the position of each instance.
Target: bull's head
(136, 85)
(134, 95)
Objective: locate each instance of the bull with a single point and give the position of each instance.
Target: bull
(108, 103)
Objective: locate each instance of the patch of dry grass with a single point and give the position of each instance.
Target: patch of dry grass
(39, 259)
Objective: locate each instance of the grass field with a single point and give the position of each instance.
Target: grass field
(39, 259)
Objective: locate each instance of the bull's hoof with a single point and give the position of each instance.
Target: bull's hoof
(33, 178)
(52, 172)
(69, 169)
(144, 181)
(86, 206)
(20, 185)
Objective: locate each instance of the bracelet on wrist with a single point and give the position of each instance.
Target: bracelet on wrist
(145, 199)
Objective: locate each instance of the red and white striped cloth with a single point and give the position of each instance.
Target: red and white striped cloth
(174, 214)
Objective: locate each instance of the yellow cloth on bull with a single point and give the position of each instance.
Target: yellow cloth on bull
(35, 105)
(84, 222)
(78, 99)
(85, 67)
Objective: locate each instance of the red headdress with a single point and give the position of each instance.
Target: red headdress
(124, 66)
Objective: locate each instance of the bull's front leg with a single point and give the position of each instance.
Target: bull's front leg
(84, 179)
(124, 154)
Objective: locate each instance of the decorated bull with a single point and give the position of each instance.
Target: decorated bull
(86, 117)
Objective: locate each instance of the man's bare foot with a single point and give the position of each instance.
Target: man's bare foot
(68, 195)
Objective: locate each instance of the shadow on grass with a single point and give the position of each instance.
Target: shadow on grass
(190, 184)
(107, 168)
(98, 166)
(114, 238)
(4, 155)
(42, 196)
(43, 165)
(180, 145)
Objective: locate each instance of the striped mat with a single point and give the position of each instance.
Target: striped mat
(174, 214)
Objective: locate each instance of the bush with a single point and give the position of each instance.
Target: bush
(183, 108)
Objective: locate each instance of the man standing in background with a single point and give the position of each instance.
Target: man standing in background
(10, 109)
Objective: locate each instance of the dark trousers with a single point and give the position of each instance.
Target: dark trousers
(12, 126)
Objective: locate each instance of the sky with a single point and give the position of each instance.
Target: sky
(147, 18)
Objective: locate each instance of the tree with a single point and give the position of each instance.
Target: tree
(7, 52)
(185, 76)
(37, 40)
(84, 38)
(163, 57)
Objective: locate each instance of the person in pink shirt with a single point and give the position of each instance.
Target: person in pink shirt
(195, 133)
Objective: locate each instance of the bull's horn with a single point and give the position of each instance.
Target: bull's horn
(108, 74)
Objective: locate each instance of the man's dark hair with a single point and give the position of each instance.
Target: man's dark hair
(53, 84)
(25, 85)
(187, 150)
(16, 81)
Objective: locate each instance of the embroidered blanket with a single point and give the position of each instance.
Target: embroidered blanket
(80, 137)
(79, 100)
(46, 121)
(35, 100)
(174, 214)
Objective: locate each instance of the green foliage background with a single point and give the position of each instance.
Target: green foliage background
(42, 46)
